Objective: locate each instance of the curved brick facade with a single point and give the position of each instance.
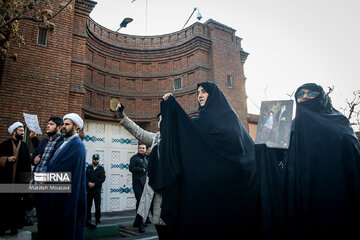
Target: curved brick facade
(84, 65)
(138, 70)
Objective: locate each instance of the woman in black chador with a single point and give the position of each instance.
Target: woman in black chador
(207, 169)
(312, 191)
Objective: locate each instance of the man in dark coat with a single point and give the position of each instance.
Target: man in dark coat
(138, 166)
(312, 190)
(66, 212)
(95, 176)
(14, 166)
(283, 116)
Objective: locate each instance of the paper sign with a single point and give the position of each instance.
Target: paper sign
(32, 123)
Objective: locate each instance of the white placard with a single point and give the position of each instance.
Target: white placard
(32, 123)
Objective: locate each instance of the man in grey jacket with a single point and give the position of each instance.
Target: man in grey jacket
(148, 196)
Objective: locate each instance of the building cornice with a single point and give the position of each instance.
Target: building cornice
(85, 5)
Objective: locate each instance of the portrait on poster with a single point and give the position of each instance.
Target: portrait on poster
(274, 126)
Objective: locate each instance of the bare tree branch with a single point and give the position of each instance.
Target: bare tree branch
(353, 103)
(26, 9)
(330, 89)
(15, 11)
(290, 95)
(351, 109)
(61, 9)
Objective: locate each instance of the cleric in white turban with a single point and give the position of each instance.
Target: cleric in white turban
(14, 126)
(75, 118)
(66, 212)
(14, 166)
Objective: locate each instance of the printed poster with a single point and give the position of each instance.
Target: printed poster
(274, 126)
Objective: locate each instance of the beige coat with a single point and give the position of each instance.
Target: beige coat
(148, 196)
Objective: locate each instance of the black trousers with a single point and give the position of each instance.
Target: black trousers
(96, 196)
(164, 232)
(138, 192)
(12, 213)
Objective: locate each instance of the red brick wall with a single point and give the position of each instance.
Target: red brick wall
(84, 65)
(39, 83)
(226, 61)
(138, 70)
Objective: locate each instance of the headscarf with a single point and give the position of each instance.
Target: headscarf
(312, 190)
(218, 121)
(211, 159)
(323, 171)
(319, 104)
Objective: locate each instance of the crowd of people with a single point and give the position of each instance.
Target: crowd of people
(203, 177)
(61, 151)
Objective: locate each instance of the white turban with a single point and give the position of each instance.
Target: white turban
(14, 126)
(75, 118)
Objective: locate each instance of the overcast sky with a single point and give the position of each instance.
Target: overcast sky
(290, 41)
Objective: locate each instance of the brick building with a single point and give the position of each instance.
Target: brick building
(82, 65)
(46, 80)
(253, 120)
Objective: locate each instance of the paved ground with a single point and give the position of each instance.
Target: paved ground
(113, 226)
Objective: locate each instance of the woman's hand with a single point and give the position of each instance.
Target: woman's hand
(166, 96)
(120, 110)
(32, 134)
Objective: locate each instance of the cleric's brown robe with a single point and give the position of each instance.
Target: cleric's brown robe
(10, 171)
(3, 159)
(12, 215)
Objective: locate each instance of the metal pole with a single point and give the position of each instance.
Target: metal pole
(189, 18)
(146, 17)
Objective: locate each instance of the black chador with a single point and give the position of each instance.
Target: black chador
(312, 190)
(209, 162)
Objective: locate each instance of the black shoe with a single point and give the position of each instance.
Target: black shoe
(141, 228)
(97, 222)
(13, 231)
(28, 222)
(90, 225)
(19, 226)
(3, 230)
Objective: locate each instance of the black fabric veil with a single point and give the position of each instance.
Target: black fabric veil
(211, 157)
(323, 178)
(312, 190)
